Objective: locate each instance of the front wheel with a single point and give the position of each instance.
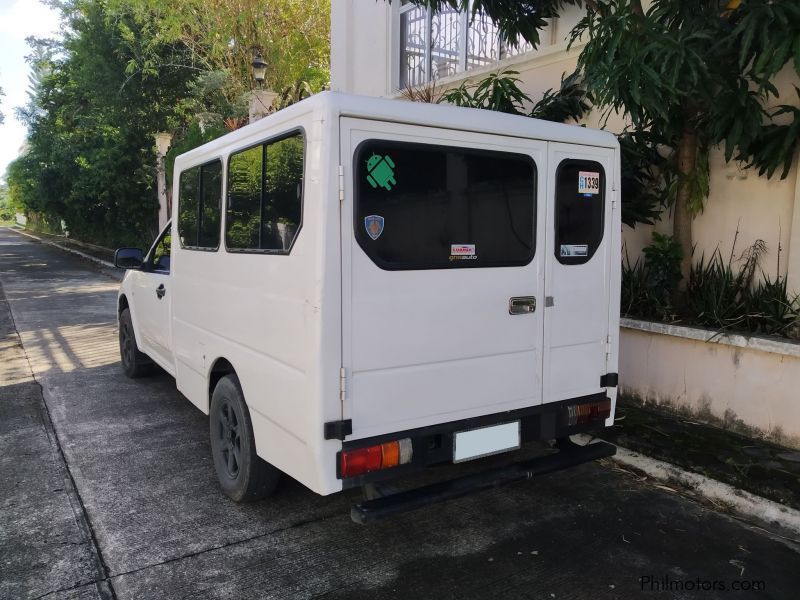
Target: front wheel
(134, 362)
(242, 474)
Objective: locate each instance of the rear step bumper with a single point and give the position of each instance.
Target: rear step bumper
(569, 455)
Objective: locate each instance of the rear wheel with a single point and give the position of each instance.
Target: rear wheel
(134, 362)
(242, 474)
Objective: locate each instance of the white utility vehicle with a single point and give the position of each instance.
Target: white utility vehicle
(356, 288)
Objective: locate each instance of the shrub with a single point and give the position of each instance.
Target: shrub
(722, 294)
(648, 286)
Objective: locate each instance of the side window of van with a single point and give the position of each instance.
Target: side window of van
(579, 210)
(200, 206)
(423, 206)
(265, 196)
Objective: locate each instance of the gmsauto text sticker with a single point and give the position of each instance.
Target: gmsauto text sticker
(574, 249)
(462, 252)
(588, 182)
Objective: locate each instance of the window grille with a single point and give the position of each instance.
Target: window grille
(439, 44)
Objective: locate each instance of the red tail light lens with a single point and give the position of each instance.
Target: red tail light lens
(374, 458)
(580, 414)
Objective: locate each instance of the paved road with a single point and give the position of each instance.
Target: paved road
(107, 491)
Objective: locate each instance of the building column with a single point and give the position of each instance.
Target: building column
(260, 104)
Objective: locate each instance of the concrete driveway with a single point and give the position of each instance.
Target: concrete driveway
(108, 491)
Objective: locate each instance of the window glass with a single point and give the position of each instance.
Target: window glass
(437, 43)
(243, 216)
(413, 38)
(200, 206)
(188, 201)
(580, 200)
(211, 206)
(283, 191)
(265, 191)
(421, 206)
(160, 260)
(446, 36)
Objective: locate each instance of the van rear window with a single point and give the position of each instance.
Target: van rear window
(580, 204)
(421, 206)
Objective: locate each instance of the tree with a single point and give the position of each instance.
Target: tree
(2, 93)
(221, 36)
(90, 161)
(692, 74)
(129, 68)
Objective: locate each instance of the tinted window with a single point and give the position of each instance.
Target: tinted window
(188, 201)
(160, 259)
(200, 206)
(211, 206)
(243, 217)
(420, 206)
(265, 192)
(580, 198)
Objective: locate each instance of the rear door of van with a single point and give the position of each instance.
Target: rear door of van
(443, 267)
(581, 254)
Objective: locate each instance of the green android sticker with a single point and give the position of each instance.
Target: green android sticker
(381, 172)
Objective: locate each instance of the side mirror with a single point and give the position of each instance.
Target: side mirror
(128, 258)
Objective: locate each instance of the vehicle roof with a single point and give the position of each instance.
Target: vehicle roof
(335, 104)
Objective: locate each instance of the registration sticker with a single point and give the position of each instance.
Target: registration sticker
(574, 250)
(462, 249)
(588, 182)
(462, 252)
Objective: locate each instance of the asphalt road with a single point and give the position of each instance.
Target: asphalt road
(108, 491)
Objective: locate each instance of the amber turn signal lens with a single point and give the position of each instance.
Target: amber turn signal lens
(374, 458)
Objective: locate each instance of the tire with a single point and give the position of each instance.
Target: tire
(135, 363)
(243, 476)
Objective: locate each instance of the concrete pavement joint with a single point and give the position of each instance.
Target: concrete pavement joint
(70, 488)
(297, 525)
(101, 586)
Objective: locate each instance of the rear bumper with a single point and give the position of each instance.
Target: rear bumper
(434, 444)
(569, 455)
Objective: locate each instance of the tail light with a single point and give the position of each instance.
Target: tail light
(374, 458)
(580, 414)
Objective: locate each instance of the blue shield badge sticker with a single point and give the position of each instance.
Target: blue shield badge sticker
(374, 226)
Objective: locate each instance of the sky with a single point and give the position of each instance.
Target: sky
(18, 20)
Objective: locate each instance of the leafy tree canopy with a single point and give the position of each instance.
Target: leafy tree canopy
(126, 69)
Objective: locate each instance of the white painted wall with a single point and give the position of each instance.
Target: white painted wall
(751, 389)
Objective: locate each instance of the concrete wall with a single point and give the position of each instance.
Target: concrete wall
(364, 50)
(746, 384)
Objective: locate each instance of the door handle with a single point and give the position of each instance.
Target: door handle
(521, 305)
(160, 291)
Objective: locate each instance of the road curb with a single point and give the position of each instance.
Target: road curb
(94, 259)
(740, 501)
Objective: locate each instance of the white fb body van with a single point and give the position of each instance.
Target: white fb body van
(357, 288)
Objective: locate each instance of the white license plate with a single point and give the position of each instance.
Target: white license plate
(476, 443)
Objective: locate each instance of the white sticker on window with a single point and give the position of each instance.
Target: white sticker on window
(462, 250)
(588, 182)
(574, 250)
